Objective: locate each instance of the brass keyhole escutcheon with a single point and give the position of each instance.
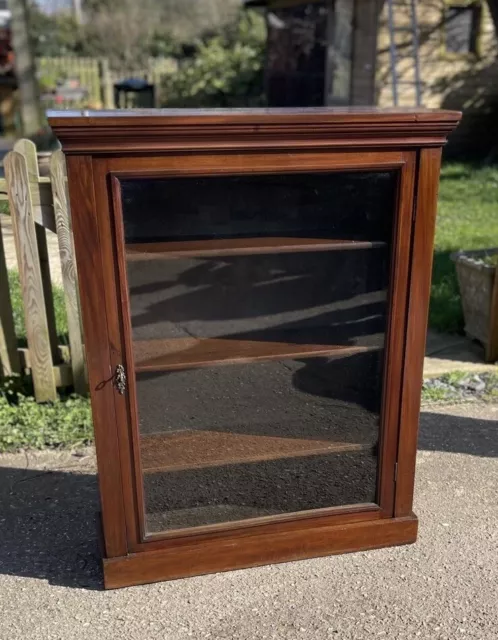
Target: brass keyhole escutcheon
(120, 379)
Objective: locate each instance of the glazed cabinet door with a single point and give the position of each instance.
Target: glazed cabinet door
(262, 328)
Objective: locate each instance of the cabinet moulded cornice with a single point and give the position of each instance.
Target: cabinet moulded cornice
(224, 130)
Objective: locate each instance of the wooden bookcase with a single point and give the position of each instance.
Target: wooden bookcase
(254, 288)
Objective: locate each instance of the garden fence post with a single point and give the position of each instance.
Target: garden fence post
(23, 224)
(27, 148)
(68, 264)
(9, 357)
(106, 83)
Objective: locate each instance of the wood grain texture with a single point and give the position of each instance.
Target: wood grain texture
(418, 309)
(9, 358)
(246, 129)
(240, 246)
(43, 214)
(41, 193)
(187, 353)
(68, 268)
(276, 523)
(261, 162)
(63, 375)
(100, 370)
(182, 450)
(27, 149)
(23, 224)
(252, 551)
(118, 333)
(396, 331)
(48, 294)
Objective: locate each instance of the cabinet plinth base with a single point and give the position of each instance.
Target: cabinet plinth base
(217, 555)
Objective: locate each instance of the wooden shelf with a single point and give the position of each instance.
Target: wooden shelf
(240, 246)
(188, 353)
(182, 450)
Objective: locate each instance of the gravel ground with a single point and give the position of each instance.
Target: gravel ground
(443, 587)
(461, 386)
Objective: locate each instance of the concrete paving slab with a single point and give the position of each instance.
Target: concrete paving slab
(443, 587)
(445, 353)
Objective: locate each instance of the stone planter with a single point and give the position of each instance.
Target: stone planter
(478, 283)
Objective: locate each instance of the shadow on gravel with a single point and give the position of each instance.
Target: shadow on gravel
(48, 520)
(48, 524)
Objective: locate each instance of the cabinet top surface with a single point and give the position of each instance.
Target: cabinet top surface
(313, 114)
(156, 129)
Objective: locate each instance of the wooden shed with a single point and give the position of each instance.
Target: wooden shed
(320, 52)
(432, 53)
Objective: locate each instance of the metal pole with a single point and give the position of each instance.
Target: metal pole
(393, 52)
(418, 84)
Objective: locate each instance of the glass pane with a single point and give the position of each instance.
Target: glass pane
(462, 28)
(258, 309)
(353, 206)
(257, 439)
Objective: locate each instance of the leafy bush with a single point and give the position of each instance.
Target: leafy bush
(47, 81)
(225, 71)
(55, 34)
(24, 424)
(125, 31)
(491, 260)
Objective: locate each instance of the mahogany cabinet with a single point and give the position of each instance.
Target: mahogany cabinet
(254, 289)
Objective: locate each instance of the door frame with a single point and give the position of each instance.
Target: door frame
(109, 245)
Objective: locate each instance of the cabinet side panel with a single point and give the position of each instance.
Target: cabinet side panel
(90, 269)
(418, 306)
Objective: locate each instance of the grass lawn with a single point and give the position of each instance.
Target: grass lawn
(467, 219)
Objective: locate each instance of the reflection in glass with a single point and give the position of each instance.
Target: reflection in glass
(258, 310)
(349, 206)
(258, 439)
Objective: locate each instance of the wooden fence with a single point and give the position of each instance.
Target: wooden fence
(38, 206)
(86, 70)
(98, 78)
